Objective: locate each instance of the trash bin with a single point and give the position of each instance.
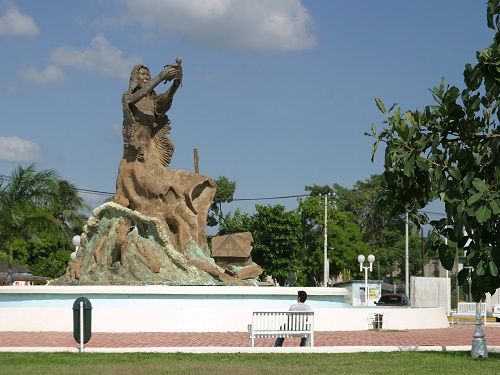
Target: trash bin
(87, 319)
(377, 321)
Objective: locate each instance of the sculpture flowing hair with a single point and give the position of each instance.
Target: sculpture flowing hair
(164, 144)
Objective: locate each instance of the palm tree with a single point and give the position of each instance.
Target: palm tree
(31, 200)
(67, 207)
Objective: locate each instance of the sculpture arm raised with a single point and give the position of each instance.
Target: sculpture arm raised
(164, 101)
(168, 73)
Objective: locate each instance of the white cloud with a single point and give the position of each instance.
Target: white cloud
(50, 75)
(249, 25)
(15, 149)
(101, 57)
(15, 23)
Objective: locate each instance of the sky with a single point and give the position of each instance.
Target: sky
(276, 94)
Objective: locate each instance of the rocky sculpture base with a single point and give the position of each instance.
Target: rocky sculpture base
(123, 247)
(179, 199)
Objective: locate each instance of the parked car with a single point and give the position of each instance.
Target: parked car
(496, 312)
(393, 299)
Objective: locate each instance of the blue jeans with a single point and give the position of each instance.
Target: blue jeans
(279, 341)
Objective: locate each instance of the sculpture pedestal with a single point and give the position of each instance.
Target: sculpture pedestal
(123, 247)
(179, 199)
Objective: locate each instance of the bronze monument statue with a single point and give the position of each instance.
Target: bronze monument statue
(145, 183)
(153, 229)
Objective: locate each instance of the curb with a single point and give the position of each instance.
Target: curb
(247, 350)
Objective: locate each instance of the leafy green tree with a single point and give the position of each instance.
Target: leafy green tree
(383, 233)
(390, 255)
(311, 212)
(344, 237)
(39, 213)
(236, 222)
(350, 212)
(450, 150)
(16, 247)
(317, 190)
(49, 253)
(22, 198)
(53, 265)
(277, 241)
(67, 206)
(360, 200)
(224, 194)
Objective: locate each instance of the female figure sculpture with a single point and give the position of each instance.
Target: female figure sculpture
(145, 183)
(153, 231)
(145, 123)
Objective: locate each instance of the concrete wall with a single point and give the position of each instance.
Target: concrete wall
(492, 300)
(431, 292)
(193, 309)
(436, 292)
(434, 269)
(213, 320)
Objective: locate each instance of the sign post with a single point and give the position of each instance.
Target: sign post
(82, 321)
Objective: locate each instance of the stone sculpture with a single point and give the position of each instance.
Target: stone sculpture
(120, 246)
(153, 230)
(178, 198)
(232, 252)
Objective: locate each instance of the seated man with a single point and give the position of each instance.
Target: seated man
(299, 306)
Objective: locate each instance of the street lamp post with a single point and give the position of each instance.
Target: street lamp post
(76, 243)
(361, 260)
(479, 347)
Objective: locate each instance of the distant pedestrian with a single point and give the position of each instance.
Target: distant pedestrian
(299, 306)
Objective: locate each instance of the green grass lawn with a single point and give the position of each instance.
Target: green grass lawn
(234, 364)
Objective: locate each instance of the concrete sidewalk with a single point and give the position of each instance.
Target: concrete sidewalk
(458, 337)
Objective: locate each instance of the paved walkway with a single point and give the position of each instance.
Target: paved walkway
(455, 336)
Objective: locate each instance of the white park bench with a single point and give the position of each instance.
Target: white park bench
(266, 324)
(467, 310)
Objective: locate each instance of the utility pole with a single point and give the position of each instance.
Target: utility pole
(448, 287)
(422, 250)
(325, 244)
(407, 258)
(196, 161)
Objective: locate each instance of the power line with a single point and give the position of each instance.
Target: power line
(432, 213)
(88, 191)
(107, 193)
(97, 192)
(268, 198)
